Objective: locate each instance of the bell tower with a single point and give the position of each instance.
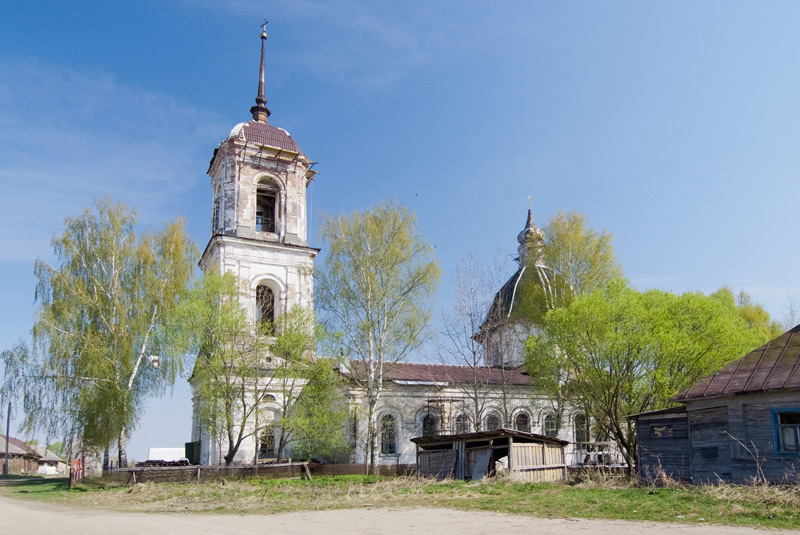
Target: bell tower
(259, 179)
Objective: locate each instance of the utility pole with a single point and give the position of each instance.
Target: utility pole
(8, 427)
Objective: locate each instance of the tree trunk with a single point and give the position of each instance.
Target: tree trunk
(123, 452)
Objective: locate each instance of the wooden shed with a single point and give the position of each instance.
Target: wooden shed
(527, 456)
(740, 423)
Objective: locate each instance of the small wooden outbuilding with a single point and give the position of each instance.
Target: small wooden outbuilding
(527, 456)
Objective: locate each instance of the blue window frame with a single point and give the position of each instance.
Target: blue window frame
(786, 430)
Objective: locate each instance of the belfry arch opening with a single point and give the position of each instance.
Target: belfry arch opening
(267, 199)
(265, 306)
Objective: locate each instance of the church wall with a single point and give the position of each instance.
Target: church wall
(287, 271)
(409, 404)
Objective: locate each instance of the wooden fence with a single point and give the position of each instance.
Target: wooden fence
(537, 462)
(195, 474)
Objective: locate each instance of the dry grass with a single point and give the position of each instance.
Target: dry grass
(588, 496)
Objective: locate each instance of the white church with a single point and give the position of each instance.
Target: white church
(259, 179)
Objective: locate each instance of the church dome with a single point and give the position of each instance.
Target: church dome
(533, 290)
(264, 134)
(529, 293)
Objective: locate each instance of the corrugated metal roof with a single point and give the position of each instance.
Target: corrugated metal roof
(443, 373)
(496, 433)
(773, 366)
(266, 134)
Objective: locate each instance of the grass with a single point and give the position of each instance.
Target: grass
(616, 498)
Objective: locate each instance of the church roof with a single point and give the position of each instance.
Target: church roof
(259, 131)
(773, 366)
(264, 134)
(409, 373)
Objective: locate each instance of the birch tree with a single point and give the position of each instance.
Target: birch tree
(105, 308)
(375, 290)
(583, 257)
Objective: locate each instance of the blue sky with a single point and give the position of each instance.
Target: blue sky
(674, 125)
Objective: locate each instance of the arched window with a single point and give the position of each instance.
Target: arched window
(522, 422)
(265, 305)
(550, 425)
(493, 422)
(462, 423)
(267, 206)
(581, 428)
(388, 435)
(267, 443)
(430, 425)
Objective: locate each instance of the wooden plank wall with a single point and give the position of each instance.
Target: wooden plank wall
(710, 446)
(472, 457)
(668, 454)
(436, 463)
(760, 441)
(721, 437)
(537, 462)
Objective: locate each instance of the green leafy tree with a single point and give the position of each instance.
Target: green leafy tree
(755, 316)
(105, 307)
(375, 289)
(582, 257)
(58, 448)
(231, 377)
(620, 351)
(319, 415)
(252, 380)
(311, 410)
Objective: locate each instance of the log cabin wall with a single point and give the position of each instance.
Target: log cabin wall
(741, 432)
(663, 441)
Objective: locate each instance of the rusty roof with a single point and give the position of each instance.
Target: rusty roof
(773, 366)
(485, 435)
(265, 134)
(445, 373)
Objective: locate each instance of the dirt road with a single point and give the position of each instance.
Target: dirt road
(19, 517)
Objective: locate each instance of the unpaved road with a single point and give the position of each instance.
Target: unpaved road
(18, 517)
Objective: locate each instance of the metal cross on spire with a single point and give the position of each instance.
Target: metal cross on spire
(260, 111)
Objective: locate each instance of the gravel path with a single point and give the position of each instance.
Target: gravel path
(23, 517)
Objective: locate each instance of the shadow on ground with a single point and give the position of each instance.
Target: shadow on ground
(14, 481)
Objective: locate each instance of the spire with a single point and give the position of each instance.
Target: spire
(260, 111)
(531, 240)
